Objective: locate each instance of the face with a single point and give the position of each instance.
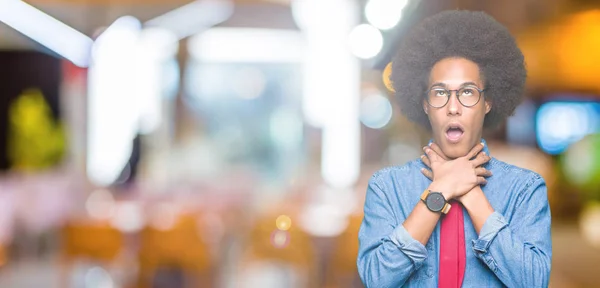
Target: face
(456, 128)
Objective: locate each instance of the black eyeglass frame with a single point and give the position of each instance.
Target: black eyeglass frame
(449, 93)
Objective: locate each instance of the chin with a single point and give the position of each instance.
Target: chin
(455, 150)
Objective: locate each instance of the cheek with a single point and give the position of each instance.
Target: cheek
(477, 117)
(436, 119)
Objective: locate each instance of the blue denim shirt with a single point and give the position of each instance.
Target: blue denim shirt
(514, 247)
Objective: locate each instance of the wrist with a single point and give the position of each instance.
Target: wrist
(442, 188)
(472, 198)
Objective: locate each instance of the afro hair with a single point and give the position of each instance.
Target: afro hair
(475, 36)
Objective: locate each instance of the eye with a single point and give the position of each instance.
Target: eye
(441, 93)
(467, 92)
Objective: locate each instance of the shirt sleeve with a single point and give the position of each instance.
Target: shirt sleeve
(388, 254)
(520, 252)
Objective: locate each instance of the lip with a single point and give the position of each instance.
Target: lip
(454, 125)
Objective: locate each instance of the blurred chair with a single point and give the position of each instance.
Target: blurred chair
(97, 242)
(178, 250)
(341, 269)
(278, 258)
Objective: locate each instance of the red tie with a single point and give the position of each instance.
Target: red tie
(452, 248)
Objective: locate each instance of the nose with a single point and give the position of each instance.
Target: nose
(454, 106)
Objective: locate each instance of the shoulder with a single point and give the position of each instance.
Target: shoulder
(397, 186)
(397, 173)
(525, 179)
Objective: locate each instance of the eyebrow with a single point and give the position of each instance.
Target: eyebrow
(440, 84)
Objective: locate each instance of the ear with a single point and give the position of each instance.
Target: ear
(488, 106)
(426, 107)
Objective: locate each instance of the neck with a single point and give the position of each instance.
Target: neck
(485, 149)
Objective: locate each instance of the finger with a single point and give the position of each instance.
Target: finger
(475, 150)
(480, 171)
(438, 151)
(427, 173)
(481, 159)
(481, 181)
(426, 161)
(432, 155)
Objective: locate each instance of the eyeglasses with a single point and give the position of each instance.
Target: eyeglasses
(468, 96)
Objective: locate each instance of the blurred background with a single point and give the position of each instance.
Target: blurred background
(228, 143)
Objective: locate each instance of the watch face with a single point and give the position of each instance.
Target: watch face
(435, 201)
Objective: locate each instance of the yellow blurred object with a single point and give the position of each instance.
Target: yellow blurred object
(97, 241)
(564, 54)
(387, 72)
(283, 222)
(3, 258)
(179, 246)
(35, 141)
(292, 247)
(298, 249)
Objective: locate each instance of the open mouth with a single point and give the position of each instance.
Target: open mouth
(454, 132)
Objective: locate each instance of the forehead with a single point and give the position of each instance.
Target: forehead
(453, 72)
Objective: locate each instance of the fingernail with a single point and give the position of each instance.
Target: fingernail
(482, 144)
(483, 153)
(429, 144)
(422, 157)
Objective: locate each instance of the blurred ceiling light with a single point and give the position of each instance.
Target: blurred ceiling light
(156, 46)
(375, 111)
(194, 17)
(331, 84)
(158, 43)
(384, 14)
(126, 85)
(112, 101)
(365, 41)
(332, 15)
(247, 45)
(125, 28)
(46, 30)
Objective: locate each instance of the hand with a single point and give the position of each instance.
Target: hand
(455, 177)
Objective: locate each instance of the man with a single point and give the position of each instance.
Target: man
(456, 217)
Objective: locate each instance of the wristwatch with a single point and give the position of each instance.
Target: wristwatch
(435, 201)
